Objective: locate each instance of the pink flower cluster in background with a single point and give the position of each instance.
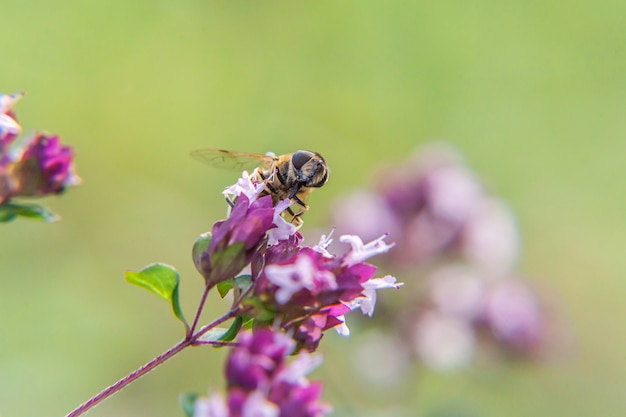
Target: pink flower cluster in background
(460, 245)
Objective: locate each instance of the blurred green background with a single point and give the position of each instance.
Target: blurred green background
(533, 93)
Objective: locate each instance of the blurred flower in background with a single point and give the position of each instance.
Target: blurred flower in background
(457, 246)
(30, 167)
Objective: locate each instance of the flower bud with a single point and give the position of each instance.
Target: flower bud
(200, 254)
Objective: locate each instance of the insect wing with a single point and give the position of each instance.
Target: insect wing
(220, 158)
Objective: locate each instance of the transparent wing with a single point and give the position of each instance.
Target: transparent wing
(220, 158)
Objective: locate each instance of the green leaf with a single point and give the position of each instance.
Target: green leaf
(7, 214)
(248, 322)
(187, 402)
(261, 312)
(214, 335)
(163, 281)
(232, 331)
(10, 211)
(242, 282)
(221, 334)
(224, 286)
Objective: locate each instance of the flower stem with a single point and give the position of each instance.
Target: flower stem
(207, 288)
(233, 312)
(138, 373)
(230, 314)
(133, 376)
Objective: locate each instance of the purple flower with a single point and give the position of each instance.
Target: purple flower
(54, 164)
(261, 382)
(237, 239)
(514, 316)
(247, 224)
(490, 238)
(461, 240)
(34, 166)
(425, 205)
(313, 291)
(42, 167)
(457, 290)
(246, 186)
(258, 358)
(284, 250)
(254, 222)
(443, 342)
(309, 331)
(302, 275)
(300, 400)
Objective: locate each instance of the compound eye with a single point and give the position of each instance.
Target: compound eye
(300, 158)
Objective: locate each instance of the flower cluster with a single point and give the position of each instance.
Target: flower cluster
(261, 382)
(297, 291)
(463, 243)
(33, 166)
(461, 307)
(303, 290)
(312, 290)
(253, 223)
(434, 206)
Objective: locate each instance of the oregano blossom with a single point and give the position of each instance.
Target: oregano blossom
(31, 166)
(263, 383)
(312, 290)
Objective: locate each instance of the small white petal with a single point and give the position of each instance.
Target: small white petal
(387, 281)
(368, 301)
(360, 252)
(245, 186)
(9, 125)
(257, 405)
(299, 367)
(214, 406)
(342, 329)
(283, 228)
(324, 243)
(7, 101)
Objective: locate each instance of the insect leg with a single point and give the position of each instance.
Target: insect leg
(297, 200)
(295, 217)
(268, 183)
(230, 202)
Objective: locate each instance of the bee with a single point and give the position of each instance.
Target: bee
(293, 175)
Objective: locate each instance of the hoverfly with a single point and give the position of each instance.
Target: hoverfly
(293, 175)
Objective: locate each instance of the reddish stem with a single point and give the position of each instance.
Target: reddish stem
(207, 288)
(138, 373)
(133, 376)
